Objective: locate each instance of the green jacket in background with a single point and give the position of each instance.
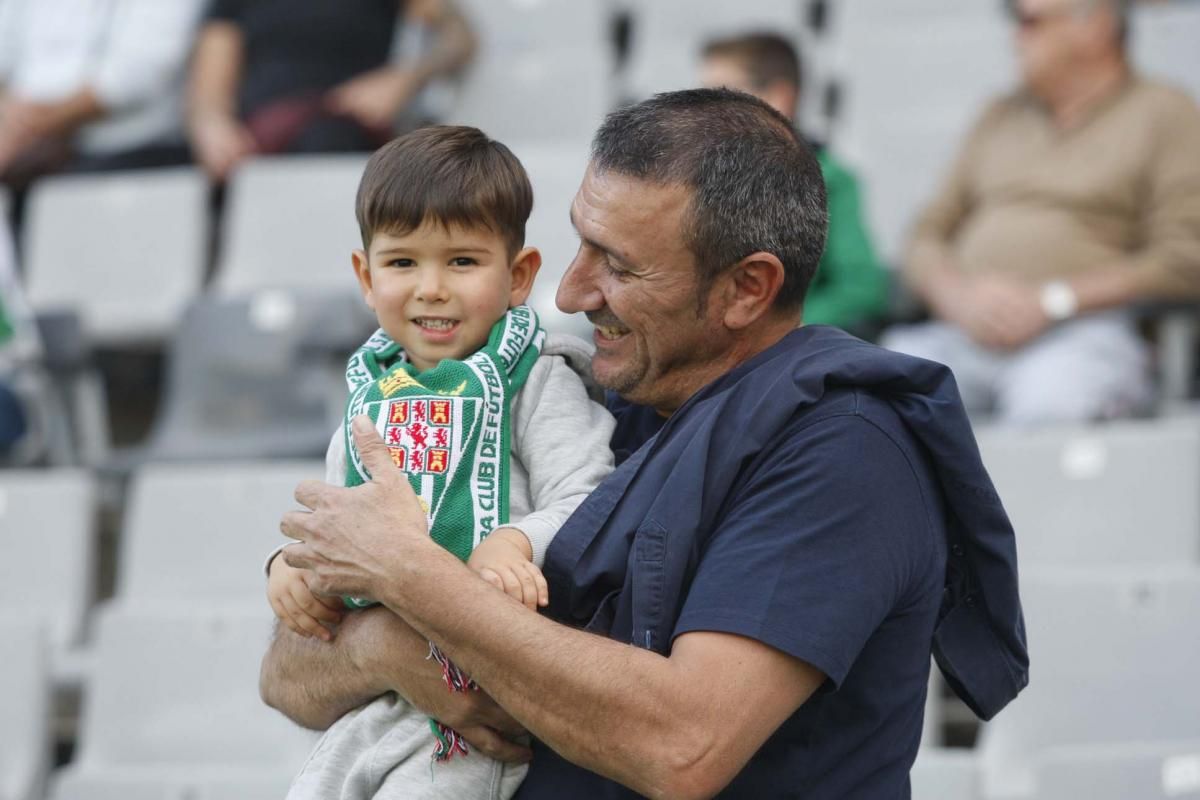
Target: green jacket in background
(850, 285)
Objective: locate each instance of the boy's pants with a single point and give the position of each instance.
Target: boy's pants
(384, 750)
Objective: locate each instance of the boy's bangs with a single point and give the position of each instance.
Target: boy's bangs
(452, 176)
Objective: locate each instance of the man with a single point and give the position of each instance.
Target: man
(850, 287)
(97, 81)
(776, 553)
(1072, 199)
(309, 76)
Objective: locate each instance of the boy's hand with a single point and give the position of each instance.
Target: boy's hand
(297, 607)
(505, 560)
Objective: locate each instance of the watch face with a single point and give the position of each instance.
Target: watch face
(1058, 300)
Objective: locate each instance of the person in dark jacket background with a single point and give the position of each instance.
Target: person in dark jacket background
(747, 606)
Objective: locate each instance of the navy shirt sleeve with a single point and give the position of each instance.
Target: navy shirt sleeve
(824, 539)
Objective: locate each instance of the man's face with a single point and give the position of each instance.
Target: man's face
(722, 71)
(1050, 34)
(636, 280)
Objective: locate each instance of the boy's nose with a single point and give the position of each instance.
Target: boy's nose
(431, 287)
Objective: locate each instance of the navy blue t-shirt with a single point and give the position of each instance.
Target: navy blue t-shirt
(831, 549)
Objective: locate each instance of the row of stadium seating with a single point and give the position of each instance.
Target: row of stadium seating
(1108, 523)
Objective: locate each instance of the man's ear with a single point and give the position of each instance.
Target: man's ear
(362, 271)
(750, 288)
(525, 266)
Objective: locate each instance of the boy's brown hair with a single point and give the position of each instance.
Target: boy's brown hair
(448, 174)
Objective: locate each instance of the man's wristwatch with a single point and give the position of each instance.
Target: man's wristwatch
(1059, 301)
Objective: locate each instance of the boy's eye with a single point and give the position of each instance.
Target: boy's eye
(401, 262)
(462, 261)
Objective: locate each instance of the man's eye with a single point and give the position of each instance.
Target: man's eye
(612, 269)
(462, 261)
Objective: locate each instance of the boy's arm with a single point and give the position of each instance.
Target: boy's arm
(561, 437)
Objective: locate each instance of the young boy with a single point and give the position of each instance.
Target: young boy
(485, 412)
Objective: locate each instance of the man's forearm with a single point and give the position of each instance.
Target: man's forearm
(313, 683)
(614, 709)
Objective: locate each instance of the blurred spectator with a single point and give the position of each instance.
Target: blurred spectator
(303, 76)
(1072, 198)
(95, 84)
(850, 287)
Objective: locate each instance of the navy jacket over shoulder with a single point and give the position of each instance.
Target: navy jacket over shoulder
(828, 499)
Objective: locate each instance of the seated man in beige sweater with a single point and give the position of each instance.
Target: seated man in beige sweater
(1071, 199)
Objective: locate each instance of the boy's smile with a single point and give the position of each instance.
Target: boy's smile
(438, 290)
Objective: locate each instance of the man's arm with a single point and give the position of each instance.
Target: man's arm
(218, 138)
(374, 98)
(682, 726)
(314, 683)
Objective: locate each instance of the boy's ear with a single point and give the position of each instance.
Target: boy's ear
(362, 271)
(524, 268)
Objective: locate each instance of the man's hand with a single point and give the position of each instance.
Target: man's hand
(22, 124)
(356, 541)
(504, 559)
(297, 606)
(220, 143)
(375, 98)
(996, 312)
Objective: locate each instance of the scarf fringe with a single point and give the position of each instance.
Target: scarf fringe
(449, 741)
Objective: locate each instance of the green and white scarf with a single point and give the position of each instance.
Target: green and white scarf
(449, 427)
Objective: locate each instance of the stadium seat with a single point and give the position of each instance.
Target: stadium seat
(943, 773)
(1122, 771)
(196, 535)
(1164, 37)
(257, 376)
(173, 708)
(289, 224)
(912, 78)
(543, 70)
(46, 526)
(555, 172)
(123, 250)
(25, 691)
(1119, 493)
(1115, 656)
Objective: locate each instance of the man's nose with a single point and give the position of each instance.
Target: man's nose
(578, 290)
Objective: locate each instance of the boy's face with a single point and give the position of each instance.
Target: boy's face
(438, 291)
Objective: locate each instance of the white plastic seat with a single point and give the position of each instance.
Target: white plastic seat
(173, 707)
(124, 250)
(943, 773)
(1119, 493)
(25, 691)
(543, 70)
(912, 81)
(1115, 656)
(556, 173)
(46, 529)
(197, 535)
(1164, 43)
(289, 224)
(1121, 771)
